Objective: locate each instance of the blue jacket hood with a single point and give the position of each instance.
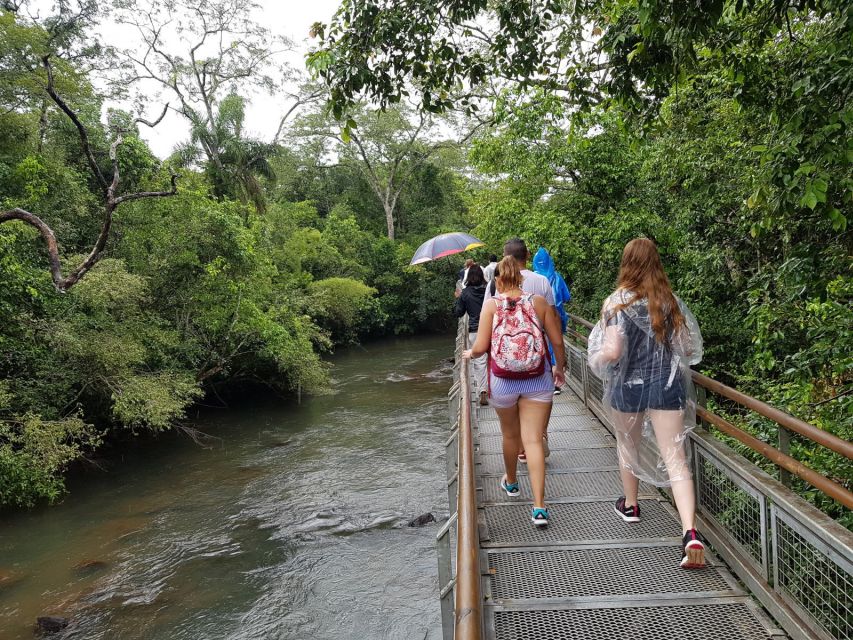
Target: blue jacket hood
(543, 263)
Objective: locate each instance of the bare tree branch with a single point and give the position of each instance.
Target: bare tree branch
(300, 101)
(154, 123)
(46, 233)
(111, 199)
(81, 130)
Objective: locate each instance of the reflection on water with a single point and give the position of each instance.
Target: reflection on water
(292, 526)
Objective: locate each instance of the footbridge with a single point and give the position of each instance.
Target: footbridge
(777, 568)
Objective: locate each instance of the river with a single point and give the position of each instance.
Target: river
(291, 525)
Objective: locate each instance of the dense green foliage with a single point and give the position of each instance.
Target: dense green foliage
(720, 129)
(262, 262)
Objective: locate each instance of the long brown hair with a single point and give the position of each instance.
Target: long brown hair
(641, 273)
(508, 275)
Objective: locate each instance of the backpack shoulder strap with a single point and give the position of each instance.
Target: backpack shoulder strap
(529, 311)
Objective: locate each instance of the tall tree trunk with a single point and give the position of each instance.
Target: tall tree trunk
(42, 125)
(389, 218)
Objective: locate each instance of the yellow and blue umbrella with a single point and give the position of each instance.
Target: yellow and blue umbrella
(446, 244)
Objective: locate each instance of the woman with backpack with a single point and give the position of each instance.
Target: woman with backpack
(642, 347)
(521, 383)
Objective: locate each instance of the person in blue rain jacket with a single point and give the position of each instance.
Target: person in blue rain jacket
(543, 264)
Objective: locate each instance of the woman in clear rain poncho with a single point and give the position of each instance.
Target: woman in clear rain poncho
(642, 347)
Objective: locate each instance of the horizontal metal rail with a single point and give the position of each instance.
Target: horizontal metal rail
(788, 421)
(469, 614)
(822, 483)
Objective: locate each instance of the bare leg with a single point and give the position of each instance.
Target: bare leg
(533, 417)
(478, 367)
(545, 430)
(629, 430)
(511, 440)
(669, 431)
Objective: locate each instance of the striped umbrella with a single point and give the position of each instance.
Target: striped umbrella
(445, 245)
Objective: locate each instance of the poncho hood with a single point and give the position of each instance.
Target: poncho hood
(543, 264)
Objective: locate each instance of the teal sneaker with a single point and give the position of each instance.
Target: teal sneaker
(512, 490)
(539, 517)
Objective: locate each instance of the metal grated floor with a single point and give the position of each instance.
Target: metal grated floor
(601, 484)
(578, 522)
(557, 423)
(584, 573)
(571, 407)
(588, 574)
(730, 621)
(560, 461)
(491, 443)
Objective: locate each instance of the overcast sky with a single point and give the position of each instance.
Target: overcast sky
(290, 18)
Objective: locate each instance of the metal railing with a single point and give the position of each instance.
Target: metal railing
(795, 559)
(461, 616)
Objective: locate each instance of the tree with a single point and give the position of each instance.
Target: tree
(630, 54)
(199, 53)
(109, 190)
(387, 147)
(241, 160)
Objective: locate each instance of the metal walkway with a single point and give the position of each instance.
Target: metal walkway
(588, 574)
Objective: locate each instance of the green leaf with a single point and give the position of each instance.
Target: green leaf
(637, 51)
(809, 198)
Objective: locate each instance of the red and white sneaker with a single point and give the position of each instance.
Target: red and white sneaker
(693, 556)
(628, 514)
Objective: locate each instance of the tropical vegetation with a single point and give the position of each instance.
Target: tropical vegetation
(719, 129)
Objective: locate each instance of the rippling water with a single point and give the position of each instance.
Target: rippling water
(292, 526)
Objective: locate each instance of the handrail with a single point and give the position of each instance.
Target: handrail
(468, 608)
(581, 321)
(818, 481)
(785, 420)
(788, 421)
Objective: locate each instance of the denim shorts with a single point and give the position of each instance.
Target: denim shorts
(636, 398)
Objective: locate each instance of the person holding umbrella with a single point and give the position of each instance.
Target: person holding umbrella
(470, 301)
(446, 244)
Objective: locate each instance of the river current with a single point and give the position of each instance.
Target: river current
(290, 525)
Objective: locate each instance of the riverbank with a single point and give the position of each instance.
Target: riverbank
(292, 525)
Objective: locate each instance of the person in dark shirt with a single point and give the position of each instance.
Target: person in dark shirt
(470, 301)
(462, 274)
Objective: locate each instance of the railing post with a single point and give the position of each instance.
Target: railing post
(446, 580)
(785, 476)
(702, 401)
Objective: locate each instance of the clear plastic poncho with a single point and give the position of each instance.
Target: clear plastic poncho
(648, 392)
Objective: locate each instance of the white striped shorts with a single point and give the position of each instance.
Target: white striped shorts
(505, 393)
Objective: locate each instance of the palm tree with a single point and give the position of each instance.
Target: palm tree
(235, 164)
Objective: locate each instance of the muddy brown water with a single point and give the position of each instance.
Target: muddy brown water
(291, 526)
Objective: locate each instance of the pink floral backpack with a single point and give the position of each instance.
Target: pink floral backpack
(518, 344)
